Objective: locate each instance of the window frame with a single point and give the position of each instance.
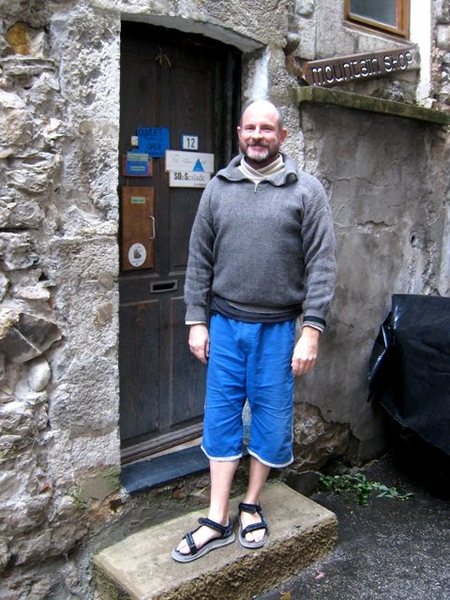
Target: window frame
(402, 14)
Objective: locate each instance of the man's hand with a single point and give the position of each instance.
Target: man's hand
(199, 342)
(305, 351)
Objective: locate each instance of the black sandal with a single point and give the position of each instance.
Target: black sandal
(226, 537)
(252, 509)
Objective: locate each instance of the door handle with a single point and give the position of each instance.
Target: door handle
(157, 287)
(153, 234)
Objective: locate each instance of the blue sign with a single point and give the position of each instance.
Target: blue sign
(153, 140)
(137, 164)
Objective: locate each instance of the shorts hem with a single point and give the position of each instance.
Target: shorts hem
(270, 464)
(221, 458)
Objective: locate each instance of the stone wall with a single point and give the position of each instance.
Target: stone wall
(441, 95)
(318, 30)
(59, 442)
(391, 211)
(59, 93)
(441, 71)
(58, 319)
(387, 187)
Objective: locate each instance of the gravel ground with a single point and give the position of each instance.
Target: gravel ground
(388, 549)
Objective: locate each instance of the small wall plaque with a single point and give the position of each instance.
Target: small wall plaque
(136, 164)
(153, 140)
(189, 142)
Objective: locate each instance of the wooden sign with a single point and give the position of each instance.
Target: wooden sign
(332, 71)
(177, 160)
(189, 169)
(137, 228)
(189, 179)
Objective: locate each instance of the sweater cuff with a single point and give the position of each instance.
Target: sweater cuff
(315, 322)
(195, 314)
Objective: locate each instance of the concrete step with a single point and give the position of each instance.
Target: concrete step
(140, 567)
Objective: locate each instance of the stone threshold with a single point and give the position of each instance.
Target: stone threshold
(343, 99)
(140, 567)
(145, 474)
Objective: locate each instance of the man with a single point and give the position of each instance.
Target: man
(262, 252)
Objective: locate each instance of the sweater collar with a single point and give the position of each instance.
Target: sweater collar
(258, 175)
(289, 174)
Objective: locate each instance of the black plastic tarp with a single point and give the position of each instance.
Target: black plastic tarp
(409, 369)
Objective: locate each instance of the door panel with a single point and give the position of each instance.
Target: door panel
(140, 362)
(185, 380)
(184, 83)
(182, 217)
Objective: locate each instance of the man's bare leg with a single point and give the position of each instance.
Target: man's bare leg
(222, 474)
(257, 479)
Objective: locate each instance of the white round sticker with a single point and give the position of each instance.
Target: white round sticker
(137, 255)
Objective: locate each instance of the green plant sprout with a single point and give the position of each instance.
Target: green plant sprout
(358, 485)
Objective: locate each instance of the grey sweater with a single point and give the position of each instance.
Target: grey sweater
(269, 245)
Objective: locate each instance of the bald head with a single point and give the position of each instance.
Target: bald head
(263, 105)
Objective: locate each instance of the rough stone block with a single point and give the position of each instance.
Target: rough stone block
(86, 397)
(18, 38)
(11, 101)
(29, 513)
(33, 174)
(103, 313)
(38, 375)
(442, 11)
(57, 535)
(53, 128)
(25, 40)
(305, 8)
(16, 419)
(15, 251)
(25, 68)
(19, 212)
(443, 37)
(4, 285)
(92, 258)
(24, 337)
(97, 486)
(5, 555)
(18, 473)
(70, 456)
(2, 368)
(141, 566)
(315, 440)
(16, 124)
(31, 292)
(12, 9)
(307, 33)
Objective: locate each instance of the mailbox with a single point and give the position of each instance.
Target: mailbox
(137, 228)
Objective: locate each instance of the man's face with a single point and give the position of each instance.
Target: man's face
(260, 135)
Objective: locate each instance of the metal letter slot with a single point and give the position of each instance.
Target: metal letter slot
(157, 287)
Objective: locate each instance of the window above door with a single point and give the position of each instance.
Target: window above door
(391, 16)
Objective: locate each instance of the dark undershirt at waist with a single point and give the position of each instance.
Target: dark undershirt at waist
(223, 307)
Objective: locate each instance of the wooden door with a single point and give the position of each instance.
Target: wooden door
(186, 84)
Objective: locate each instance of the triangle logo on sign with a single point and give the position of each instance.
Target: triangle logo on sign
(198, 166)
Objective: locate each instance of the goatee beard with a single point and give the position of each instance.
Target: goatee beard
(258, 157)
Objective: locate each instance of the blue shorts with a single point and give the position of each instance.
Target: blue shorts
(249, 361)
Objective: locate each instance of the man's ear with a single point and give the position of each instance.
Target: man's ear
(283, 134)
